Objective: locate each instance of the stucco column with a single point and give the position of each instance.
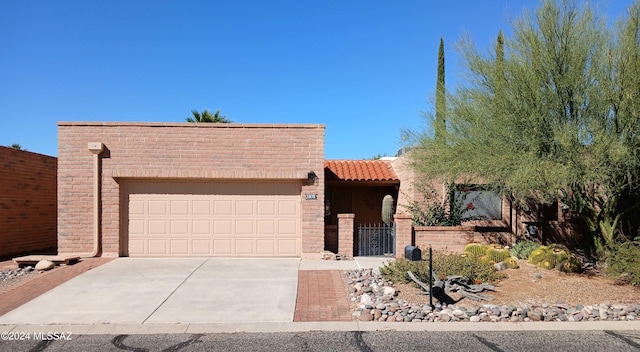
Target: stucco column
(404, 229)
(345, 234)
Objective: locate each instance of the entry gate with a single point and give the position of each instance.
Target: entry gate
(376, 240)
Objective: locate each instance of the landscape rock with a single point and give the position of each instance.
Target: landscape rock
(365, 315)
(366, 299)
(45, 265)
(500, 266)
(535, 315)
(389, 291)
(375, 299)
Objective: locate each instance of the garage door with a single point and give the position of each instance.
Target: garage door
(213, 219)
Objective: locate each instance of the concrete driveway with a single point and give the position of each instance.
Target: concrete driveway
(167, 290)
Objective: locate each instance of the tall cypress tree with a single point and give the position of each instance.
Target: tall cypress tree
(500, 79)
(500, 57)
(441, 103)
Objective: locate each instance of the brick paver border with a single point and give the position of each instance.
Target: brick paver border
(23, 292)
(321, 297)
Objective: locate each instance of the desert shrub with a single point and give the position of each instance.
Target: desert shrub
(467, 266)
(523, 249)
(623, 263)
(396, 270)
(443, 265)
(433, 211)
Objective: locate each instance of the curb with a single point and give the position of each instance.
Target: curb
(276, 327)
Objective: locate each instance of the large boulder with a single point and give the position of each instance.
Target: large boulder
(45, 265)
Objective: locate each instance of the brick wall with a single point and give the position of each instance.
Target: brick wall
(345, 234)
(446, 238)
(404, 233)
(27, 202)
(180, 151)
(454, 238)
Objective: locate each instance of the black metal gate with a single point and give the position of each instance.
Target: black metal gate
(376, 240)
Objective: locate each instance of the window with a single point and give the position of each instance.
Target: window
(549, 211)
(478, 203)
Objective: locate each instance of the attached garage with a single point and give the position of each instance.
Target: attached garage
(190, 189)
(216, 218)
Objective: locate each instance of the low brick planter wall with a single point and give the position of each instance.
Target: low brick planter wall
(446, 238)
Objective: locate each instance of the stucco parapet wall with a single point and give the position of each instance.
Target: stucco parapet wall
(195, 174)
(192, 125)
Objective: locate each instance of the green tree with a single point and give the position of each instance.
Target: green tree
(17, 146)
(441, 102)
(207, 116)
(554, 114)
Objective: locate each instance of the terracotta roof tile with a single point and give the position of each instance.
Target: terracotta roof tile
(359, 170)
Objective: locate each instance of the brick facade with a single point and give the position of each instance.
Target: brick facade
(404, 229)
(446, 238)
(180, 151)
(27, 202)
(345, 234)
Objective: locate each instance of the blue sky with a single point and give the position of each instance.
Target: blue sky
(365, 69)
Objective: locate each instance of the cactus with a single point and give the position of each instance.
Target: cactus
(570, 265)
(476, 249)
(387, 209)
(546, 264)
(485, 259)
(498, 253)
(556, 256)
(512, 263)
(537, 255)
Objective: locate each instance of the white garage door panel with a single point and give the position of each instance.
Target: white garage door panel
(237, 219)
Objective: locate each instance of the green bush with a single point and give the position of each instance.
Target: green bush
(523, 249)
(623, 263)
(396, 270)
(443, 265)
